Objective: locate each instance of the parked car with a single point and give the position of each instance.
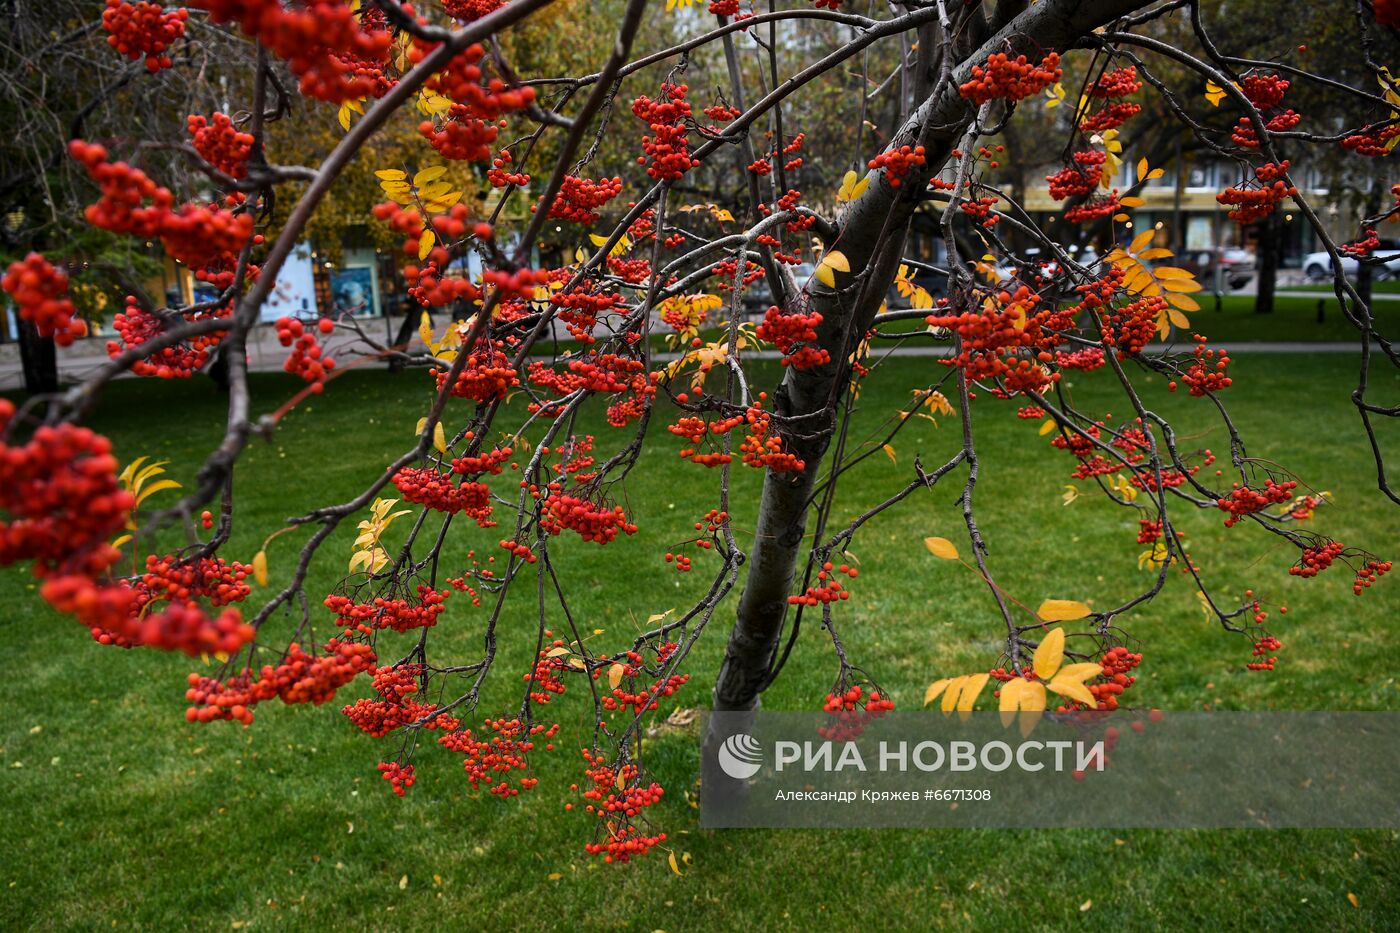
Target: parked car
(1318, 266)
(1236, 266)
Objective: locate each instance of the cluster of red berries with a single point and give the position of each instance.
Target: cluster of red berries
(1369, 573)
(61, 495)
(762, 450)
(500, 174)
(1116, 663)
(829, 589)
(851, 711)
(1208, 372)
(1075, 180)
(581, 307)
(1252, 204)
(708, 525)
(580, 198)
(1265, 92)
(400, 777)
(651, 697)
(468, 11)
(994, 336)
(1265, 646)
(1132, 326)
(170, 578)
(487, 376)
(1095, 208)
(382, 613)
(793, 335)
(1316, 559)
(1364, 246)
(298, 678)
(323, 42)
(896, 163)
(1110, 116)
(1010, 79)
(590, 521)
(305, 360)
(40, 292)
(144, 30)
(207, 239)
(1373, 142)
(980, 209)
(544, 680)
(1149, 531)
(1120, 82)
(668, 150)
(506, 747)
(136, 325)
(468, 128)
(396, 706)
(1246, 500)
(480, 464)
(221, 144)
(440, 493)
(1086, 359)
(623, 840)
(517, 549)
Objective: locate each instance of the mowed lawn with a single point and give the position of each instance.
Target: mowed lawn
(117, 813)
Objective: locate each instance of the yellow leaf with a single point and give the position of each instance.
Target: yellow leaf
(425, 244)
(825, 276)
(934, 689)
(556, 652)
(1131, 201)
(1074, 690)
(1155, 252)
(837, 260)
(1121, 218)
(122, 540)
(1049, 654)
(941, 548)
(429, 174)
(1047, 427)
(1178, 319)
(889, 452)
(439, 438)
(390, 174)
(1141, 168)
(432, 192)
(1181, 285)
(615, 675)
(154, 488)
(260, 568)
(671, 860)
(972, 687)
(1353, 899)
(1141, 240)
(1178, 300)
(1062, 610)
(1214, 93)
(403, 882)
(1171, 272)
(950, 695)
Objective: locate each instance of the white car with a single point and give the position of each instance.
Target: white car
(1318, 266)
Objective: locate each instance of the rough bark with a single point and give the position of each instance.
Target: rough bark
(871, 235)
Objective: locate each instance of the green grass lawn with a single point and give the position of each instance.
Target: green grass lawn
(117, 813)
(1294, 319)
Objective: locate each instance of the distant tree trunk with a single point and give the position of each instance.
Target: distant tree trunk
(405, 334)
(39, 358)
(218, 369)
(1270, 248)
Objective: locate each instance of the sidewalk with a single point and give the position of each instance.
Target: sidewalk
(265, 354)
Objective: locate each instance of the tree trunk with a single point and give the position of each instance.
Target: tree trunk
(39, 359)
(1270, 246)
(871, 234)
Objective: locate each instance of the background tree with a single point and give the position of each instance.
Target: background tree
(502, 470)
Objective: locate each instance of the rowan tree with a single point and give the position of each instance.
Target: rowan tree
(469, 514)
